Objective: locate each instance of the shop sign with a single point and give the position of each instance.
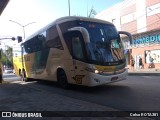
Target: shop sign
(147, 40)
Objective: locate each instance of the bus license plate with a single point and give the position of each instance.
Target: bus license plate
(114, 78)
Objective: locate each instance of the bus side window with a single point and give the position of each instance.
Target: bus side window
(77, 48)
(53, 39)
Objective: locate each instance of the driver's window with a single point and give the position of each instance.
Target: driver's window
(115, 44)
(77, 48)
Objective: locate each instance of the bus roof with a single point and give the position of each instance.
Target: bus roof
(69, 18)
(65, 19)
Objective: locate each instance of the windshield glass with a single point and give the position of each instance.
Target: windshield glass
(105, 45)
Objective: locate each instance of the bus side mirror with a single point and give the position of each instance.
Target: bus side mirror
(128, 34)
(83, 31)
(19, 38)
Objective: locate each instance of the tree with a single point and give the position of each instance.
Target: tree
(7, 57)
(92, 12)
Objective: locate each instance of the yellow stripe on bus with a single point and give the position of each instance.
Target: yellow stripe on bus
(105, 68)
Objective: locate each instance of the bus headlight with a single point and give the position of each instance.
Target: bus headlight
(93, 70)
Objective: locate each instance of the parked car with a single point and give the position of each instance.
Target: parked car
(8, 70)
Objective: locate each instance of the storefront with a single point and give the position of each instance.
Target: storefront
(146, 46)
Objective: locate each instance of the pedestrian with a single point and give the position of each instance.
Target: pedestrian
(132, 64)
(150, 62)
(140, 63)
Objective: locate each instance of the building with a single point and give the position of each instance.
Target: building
(142, 19)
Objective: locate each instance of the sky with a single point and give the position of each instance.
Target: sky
(42, 12)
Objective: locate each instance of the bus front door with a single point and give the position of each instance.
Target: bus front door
(78, 58)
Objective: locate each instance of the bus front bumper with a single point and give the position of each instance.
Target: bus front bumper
(97, 79)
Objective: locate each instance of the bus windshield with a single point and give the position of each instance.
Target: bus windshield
(105, 46)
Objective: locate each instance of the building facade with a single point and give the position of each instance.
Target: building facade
(142, 19)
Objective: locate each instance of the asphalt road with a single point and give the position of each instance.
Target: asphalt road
(137, 93)
(10, 77)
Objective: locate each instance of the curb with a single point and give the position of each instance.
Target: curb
(4, 82)
(143, 74)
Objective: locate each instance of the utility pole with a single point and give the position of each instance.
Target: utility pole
(69, 6)
(23, 26)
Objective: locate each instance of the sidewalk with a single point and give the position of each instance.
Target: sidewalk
(144, 72)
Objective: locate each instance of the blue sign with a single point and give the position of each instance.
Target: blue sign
(147, 39)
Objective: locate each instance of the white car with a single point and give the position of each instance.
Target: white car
(8, 70)
(14, 71)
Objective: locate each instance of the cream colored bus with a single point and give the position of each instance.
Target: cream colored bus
(75, 50)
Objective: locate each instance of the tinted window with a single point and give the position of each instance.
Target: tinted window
(53, 39)
(77, 48)
(65, 26)
(104, 47)
(35, 44)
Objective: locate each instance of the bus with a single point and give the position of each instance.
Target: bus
(17, 61)
(75, 50)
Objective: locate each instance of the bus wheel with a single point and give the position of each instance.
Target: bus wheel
(23, 76)
(20, 72)
(62, 79)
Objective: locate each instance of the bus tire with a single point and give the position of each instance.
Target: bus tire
(23, 76)
(62, 79)
(1, 78)
(20, 72)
